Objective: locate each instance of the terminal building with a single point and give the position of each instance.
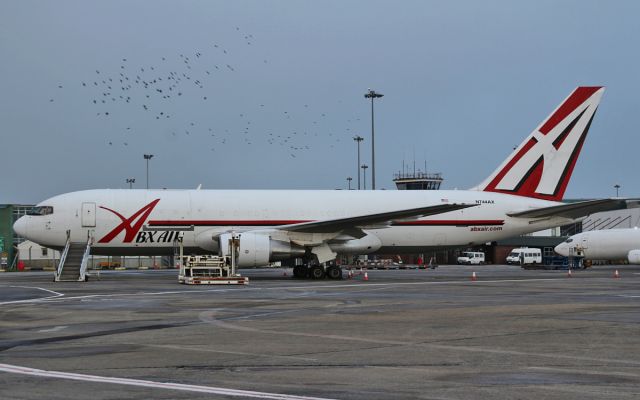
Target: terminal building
(9, 240)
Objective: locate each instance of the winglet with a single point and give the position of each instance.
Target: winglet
(542, 165)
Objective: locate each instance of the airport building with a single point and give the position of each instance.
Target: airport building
(417, 180)
(9, 241)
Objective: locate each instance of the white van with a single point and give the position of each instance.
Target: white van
(471, 257)
(525, 255)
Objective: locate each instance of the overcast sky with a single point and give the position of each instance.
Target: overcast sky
(268, 94)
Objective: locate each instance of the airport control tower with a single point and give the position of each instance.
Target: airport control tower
(417, 180)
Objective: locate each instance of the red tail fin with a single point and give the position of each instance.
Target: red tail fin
(542, 165)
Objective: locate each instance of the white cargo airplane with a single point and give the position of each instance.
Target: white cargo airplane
(608, 244)
(523, 195)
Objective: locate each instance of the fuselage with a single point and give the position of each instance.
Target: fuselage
(148, 222)
(608, 244)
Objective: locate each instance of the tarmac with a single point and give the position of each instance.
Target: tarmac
(403, 334)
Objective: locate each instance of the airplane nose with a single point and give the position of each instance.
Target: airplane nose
(20, 227)
(562, 249)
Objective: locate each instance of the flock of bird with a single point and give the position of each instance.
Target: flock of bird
(135, 96)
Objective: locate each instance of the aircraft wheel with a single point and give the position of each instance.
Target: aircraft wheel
(300, 271)
(334, 272)
(316, 272)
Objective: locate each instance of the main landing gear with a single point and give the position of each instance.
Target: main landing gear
(317, 272)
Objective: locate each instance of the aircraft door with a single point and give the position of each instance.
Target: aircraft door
(581, 246)
(88, 215)
(585, 241)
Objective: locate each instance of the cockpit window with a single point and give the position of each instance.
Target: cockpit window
(41, 210)
(569, 240)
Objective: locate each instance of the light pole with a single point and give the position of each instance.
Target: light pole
(131, 181)
(148, 157)
(617, 188)
(372, 94)
(358, 139)
(364, 176)
(349, 179)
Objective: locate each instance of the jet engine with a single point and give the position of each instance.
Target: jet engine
(634, 257)
(258, 249)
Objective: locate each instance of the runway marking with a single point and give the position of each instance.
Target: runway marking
(15, 369)
(316, 287)
(55, 295)
(209, 317)
(54, 329)
(586, 372)
(240, 353)
(527, 354)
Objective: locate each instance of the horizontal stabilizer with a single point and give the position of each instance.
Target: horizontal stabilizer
(573, 210)
(361, 221)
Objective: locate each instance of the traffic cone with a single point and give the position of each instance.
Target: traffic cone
(616, 274)
(366, 276)
(569, 273)
(473, 276)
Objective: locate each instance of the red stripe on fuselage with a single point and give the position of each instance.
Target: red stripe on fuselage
(452, 222)
(202, 222)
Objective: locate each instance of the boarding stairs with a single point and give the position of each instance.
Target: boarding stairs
(73, 261)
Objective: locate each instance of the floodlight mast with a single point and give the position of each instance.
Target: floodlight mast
(372, 94)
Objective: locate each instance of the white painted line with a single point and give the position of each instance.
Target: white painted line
(529, 354)
(54, 329)
(586, 371)
(54, 295)
(15, 369)
(201, 349)
(316, 287)
(479, 282)
(210, 318)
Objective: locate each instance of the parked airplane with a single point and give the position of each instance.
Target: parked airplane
(608, 244)
(522, 195)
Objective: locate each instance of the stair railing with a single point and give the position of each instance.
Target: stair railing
(85, 259)
(63, 257)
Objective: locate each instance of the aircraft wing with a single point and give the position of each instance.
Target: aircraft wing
(573, 210)
(362, 221)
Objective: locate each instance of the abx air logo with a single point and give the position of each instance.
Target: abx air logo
(130, 225)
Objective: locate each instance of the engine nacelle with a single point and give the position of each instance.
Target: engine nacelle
(257, 249)
(634, 257)
(365, 245)
(208, 240)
